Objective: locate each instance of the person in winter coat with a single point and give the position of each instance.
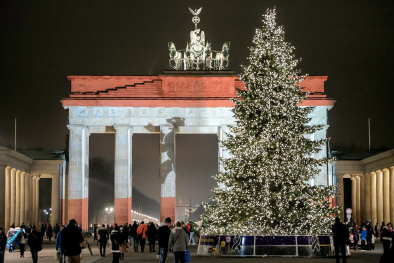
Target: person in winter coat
(377, 230)
(387, 237)
(152, 234)
(355, 236)
(178, 242)
(49, 232)
(141, 232)
(22, 237)
(135, 236)
(124, 236)
(94, 232)
(369, 229)
(28, 228)
(3, 243)
(103, 238)
(71, 238)
(59, 247)
(163, 234)
(116, 240)
(189, 227)
(340, 239)
(56, 229)
(363, 237)
(43, 229)
(35, 243)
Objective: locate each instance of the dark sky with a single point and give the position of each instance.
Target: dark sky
(44, 41)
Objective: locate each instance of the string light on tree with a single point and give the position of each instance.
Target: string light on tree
(265, 179)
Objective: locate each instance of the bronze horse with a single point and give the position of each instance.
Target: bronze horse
(222, 56)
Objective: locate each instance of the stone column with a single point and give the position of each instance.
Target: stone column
(76, 182)
(340, 197)
(362, 200)
(367, 199)
(167, 172)
(7, 198)
(379, 194)
(354, 199)
(32, 199)
(223, 130)
(27, 198)
(17, 198)
(358, 197)
(392, 194)
(55, 200)
(13, 196)
(22, 199)
(374, 210)
(386, 196)
(37, 203)
(123, 173)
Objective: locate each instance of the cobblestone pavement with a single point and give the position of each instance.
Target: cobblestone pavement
(48, 253)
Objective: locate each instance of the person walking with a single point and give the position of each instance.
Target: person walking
(135, 236)
(28, 228)
(71, 238)
(116, 240)
(141, 232)
(49, 232)
(190, 228)
(22, 237)
(163, 234)
(369, 229)
(95, 232)
(340, 239)
(59, 246)
(56, 229)
(377, 230)
(152, 234)
(3, 243)
(103, 238)
(43, 229)
(178, 242)
(35, 243)
(355, 236)
(387, 237)
(122, 245)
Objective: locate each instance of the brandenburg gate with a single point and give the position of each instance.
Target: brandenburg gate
(193, 98)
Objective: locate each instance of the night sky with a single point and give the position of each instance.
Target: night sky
(44, 41)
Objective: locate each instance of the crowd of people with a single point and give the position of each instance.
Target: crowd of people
(342, 234)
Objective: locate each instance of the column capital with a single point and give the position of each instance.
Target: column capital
(76, 126)
(23, 173)
(18, 171)
(385, 170)
(367, 174)
(9, 168)
(379, 172)
(372, 173)
(13, 169)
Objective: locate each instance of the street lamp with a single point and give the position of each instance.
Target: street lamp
(109, 211)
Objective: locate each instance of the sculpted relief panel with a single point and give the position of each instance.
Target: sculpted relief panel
(197, 87)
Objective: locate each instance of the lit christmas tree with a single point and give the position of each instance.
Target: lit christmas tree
(265, 181)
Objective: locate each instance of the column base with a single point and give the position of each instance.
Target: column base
(122, 211)
(167, 208)
(85, 214)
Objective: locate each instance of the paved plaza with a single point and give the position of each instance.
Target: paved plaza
(48, 253)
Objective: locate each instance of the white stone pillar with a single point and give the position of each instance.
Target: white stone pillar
(37, 201)
(367, 199)
(362, 200)
(392, 194)
(17, 198)
(386, 196)
(13, 196)
(27, 198)
(223, 130)
(379, 193)
(32, 199)
(358, 197)
(123, 173)
(7, 198)
(55, 200)
(340, 197)
(354, 199)
(167, 172)
(22, 199)
(77, 208)
(374, 210)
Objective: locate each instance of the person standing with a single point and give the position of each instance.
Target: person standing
(116, 240)
(59, 247)
(56, 229)
(340, 239)
(49, 232)
(355, 236)
(35, 243)
(363, 237)
(377, 230)
(28, 228)
(103, 238)
(135, 236)
(95, 232)
(3, 243)
(164, 235)
(369, 229)
(141, 232)
(71, 238)
(191, 231)
(387, 237)
(22, 237)
(43, 230)
(178, 242)
(152, 234)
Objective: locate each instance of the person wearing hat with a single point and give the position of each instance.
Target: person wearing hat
(386, 237)
(71, 238)
(35, 243)
(164, 233)
(340, 239)
(3, 243)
